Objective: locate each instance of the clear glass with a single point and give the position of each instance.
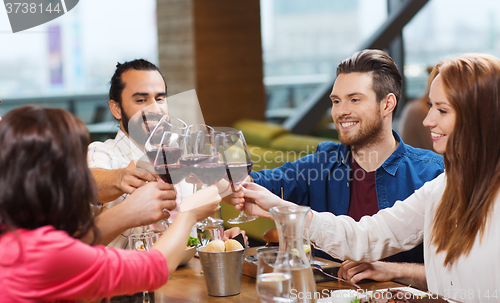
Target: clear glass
(274, 276)
(142, 242)
(290, 222)
(238, 166)
(164, 148)
(157, 229)
(209, 232)
(204, 166)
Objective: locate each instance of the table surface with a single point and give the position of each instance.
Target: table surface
(187, 284)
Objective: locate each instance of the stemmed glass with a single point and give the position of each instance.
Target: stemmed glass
(163, 148)
(201, 158)
(238, 166)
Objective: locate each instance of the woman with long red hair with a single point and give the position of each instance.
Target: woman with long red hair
(457, 214)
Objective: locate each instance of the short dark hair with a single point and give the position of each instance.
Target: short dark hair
(44, 177)
(117, 85)
(386, 76)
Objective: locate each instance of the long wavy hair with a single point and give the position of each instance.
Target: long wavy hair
(44, 177)
(472, 156)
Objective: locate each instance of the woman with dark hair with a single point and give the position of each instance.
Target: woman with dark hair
(457, 214)
(46, 192)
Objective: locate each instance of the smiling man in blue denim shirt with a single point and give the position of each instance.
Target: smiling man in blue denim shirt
(372, 167)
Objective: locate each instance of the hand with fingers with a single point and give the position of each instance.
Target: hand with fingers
(256, 200)
(357, 271)
(404, 273)
(150, 203)
(133, 177)
(233, 232)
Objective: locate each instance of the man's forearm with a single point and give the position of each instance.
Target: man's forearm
(410, 274)
(107, 184)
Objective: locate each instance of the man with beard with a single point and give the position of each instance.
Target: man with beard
(371, 168)
(138, 100)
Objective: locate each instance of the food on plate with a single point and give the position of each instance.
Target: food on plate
(231, 245)
(192, 241)
(215, 246)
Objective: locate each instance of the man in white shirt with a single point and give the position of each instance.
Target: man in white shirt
(136, 87)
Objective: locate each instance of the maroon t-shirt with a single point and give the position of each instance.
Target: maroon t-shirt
(363, 192)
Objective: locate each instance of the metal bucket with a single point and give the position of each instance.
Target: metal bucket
(223, 271)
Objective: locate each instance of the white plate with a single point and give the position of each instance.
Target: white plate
(342, 296)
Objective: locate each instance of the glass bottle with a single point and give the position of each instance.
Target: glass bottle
(290, 222)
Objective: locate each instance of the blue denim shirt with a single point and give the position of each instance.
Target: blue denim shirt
(322, 180)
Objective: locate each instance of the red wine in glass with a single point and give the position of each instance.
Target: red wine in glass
(210, 173)
(164, 155)
(237, 172)
(171, 173)
(192, 160)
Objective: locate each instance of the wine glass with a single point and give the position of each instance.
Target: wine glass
(274, 276)
(163, 148)
(238, 166)
(200, 156)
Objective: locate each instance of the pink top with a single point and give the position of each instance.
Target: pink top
(54, 267)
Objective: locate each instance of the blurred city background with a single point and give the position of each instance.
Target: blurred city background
(69, 61)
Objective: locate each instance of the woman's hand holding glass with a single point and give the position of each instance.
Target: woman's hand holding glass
(201, 159)
(256, 200)
(163, 148)
(238, 165)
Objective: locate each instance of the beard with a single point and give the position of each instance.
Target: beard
(137, 128)
(366, 135)
(125, 121)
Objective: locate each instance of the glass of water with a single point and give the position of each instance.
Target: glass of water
(274, 277)
(143, 242)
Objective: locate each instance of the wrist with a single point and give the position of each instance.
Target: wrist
(395, 270)
(119, 175)
(186, 217)
(127, 220)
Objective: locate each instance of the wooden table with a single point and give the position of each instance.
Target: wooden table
(187, 284)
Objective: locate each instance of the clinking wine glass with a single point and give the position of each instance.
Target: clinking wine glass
(238, 166)
(201, 158)
(163, 148)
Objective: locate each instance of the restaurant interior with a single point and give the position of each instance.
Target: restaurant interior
(265, 67)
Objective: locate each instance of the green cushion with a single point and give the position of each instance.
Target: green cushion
(254, 229)
(267, 158)
(301, 145)
(259, 133)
